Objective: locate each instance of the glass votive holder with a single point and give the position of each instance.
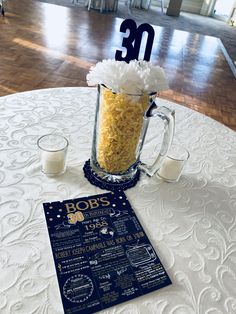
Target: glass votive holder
(173, 165)
(53, 150)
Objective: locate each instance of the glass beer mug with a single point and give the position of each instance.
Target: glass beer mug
(121, 124)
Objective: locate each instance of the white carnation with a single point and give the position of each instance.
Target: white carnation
(136, 77)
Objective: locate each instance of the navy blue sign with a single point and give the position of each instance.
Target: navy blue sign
(132, 43)
(101, 253)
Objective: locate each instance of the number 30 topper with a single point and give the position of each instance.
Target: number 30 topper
(132, 43)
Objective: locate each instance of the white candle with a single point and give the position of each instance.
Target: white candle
(171, 169)
(53, 149)
(53, 162)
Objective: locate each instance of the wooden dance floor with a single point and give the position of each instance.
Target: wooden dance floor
(45, 45)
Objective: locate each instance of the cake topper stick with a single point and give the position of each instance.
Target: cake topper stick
(133, 41)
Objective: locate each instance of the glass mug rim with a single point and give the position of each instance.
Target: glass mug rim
(53, 150)
(127, 94)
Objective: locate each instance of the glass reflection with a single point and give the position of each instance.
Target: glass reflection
(178, 41)
(158, 41)
(55, 25)
(204, 63)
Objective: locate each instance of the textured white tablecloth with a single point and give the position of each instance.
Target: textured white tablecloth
(192, 223)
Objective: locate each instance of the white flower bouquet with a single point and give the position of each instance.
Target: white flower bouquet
(136, 77)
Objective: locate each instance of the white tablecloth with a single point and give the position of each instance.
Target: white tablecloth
(192, 223)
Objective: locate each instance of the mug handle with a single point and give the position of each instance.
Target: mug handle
(168, 116)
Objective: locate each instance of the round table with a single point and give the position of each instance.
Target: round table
(191, 223)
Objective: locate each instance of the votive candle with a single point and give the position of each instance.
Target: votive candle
(173, 164)
(53, 150)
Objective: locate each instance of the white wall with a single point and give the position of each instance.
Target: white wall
(208, 6)
(193, 6)
(234, 12)
(203, 7)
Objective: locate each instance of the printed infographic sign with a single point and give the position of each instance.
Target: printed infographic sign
(101, 253)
